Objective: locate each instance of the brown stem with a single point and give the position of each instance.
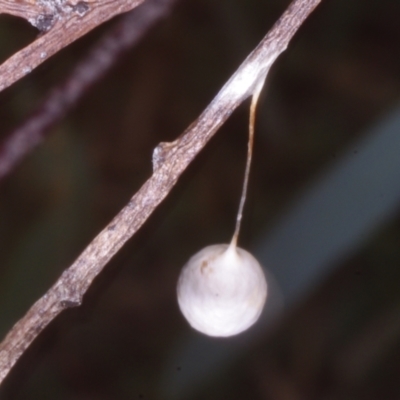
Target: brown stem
(169, 162)
(61, 23)
(121, 37)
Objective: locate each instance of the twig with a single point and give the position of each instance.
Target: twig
(61, 22)
(169, 162)
(122, 36)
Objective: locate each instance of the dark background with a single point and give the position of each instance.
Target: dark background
(338, 336)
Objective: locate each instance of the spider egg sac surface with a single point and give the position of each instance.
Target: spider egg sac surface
(222, 290)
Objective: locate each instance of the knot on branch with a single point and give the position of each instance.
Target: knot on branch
(43, 22)
(47, 12)
(161, 153)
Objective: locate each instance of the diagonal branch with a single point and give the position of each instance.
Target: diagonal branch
(61, 22)
(169, 162)
(122, 36)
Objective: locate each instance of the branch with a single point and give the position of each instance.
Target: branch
(169, 162)
(122, 36)
(61, 22)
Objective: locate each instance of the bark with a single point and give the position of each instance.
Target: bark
(169, 162)
(60, 23)
(98, 61)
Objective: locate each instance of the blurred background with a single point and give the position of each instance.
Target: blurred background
(323, 211)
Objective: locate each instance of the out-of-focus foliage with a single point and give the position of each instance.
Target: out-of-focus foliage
(340, 74)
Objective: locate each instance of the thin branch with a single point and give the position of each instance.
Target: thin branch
(120, 38)
(169, 162)
(61, 22)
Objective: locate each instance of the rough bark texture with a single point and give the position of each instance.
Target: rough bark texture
(60, 22)
(169, 162)
(121, 37)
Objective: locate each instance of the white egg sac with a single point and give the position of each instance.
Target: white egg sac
(222, 290)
